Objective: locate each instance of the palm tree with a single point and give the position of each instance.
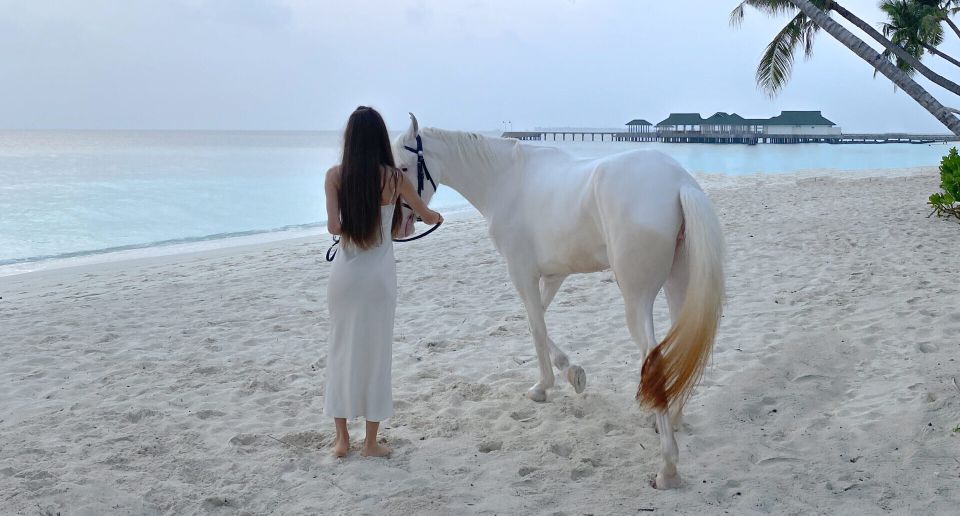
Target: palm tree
(946, 9)
(914, 25)
(884, 66)
(909, 27)
(776, 63)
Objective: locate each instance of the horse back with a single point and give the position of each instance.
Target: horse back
(568, 213)
(640, 190)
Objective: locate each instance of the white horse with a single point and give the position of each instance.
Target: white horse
(550, 215)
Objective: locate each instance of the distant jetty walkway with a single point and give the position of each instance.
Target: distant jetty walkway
(787, 127)
(748, 139)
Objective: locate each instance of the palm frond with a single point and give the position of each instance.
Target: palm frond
(887, 29)
(771, 7)
(808, 33)
(736, 15)
(776, 62)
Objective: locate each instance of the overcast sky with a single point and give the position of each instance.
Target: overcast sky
(460, 64)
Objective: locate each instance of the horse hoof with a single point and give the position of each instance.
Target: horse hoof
(537, 394)
(577, 378)
(666, 482)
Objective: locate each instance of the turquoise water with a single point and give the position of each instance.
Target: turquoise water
(735, 159)
(73, 193)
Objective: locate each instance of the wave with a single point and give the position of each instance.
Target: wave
(311, 227)
(162, 243)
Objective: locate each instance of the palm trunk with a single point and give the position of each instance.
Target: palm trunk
(899, 52)
(933, 50)
(902, 80)
(952, 25)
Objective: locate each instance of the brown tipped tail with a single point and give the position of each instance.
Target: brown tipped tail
(676, 364)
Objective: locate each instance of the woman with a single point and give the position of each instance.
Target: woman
(363, 194)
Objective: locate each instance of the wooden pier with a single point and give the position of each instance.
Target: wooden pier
(728, 137)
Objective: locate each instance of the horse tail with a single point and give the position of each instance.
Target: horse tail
(676, 364)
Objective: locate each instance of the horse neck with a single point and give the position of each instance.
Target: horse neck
(473, 165)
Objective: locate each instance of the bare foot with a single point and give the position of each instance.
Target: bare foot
(341, 446)
(376, 450)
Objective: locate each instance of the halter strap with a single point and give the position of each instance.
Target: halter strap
(422, 171)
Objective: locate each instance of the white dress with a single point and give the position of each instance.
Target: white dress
(362, 299)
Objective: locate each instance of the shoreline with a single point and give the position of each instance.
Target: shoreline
(201, 245)
(138, 252)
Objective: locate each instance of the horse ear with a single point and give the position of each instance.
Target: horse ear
(415, 128)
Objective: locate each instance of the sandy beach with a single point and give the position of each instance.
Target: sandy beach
(193, 384)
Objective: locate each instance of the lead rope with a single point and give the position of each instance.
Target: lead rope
(332, 251)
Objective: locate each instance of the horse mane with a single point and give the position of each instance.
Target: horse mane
(476, 149)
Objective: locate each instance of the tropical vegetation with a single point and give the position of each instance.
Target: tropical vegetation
(947, 202)
(913, 28)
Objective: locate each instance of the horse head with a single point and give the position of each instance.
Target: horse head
(408, 153)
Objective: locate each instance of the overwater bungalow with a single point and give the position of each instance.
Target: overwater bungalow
(639, 126)
(788, 126)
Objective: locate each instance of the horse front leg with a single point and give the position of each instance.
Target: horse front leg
(549, 285)
(527, 283)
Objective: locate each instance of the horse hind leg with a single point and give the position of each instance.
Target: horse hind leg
(640, 322)
(574, 374)
(640, 282)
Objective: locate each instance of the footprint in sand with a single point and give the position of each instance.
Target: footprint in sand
(308, 439)
(136, 416)
(522, 415)
(243, 439)
(562, 449)
(489, 446)
(526, 470)
(581, 471)
(207, 414)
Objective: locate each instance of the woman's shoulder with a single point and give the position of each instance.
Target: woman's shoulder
(333, 174)
(389, 172)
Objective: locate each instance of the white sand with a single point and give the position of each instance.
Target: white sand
(167, 385)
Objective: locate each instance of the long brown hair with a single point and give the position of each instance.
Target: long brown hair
(366, 153)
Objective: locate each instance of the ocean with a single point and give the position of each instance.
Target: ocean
(66, 194)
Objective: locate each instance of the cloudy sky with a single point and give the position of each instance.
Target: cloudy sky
(461, 64)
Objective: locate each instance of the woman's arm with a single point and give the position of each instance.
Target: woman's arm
(331, 187)
(409, 194)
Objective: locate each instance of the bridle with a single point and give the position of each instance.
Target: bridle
(422, 171)
(422, 174)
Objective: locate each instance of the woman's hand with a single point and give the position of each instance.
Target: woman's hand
(433, 218)
(333, 227)
(409, 194)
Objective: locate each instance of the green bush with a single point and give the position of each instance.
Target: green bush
(947, 202)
